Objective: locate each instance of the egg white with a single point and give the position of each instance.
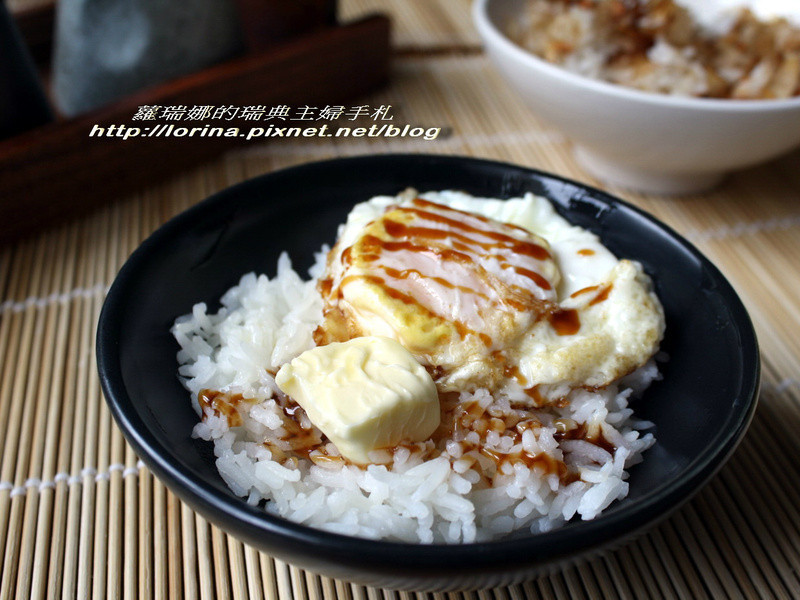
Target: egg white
(616, 336)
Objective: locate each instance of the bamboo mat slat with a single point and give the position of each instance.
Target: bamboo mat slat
(422, 25)
(80, 517)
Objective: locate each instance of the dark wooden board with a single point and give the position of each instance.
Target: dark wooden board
(58, 170)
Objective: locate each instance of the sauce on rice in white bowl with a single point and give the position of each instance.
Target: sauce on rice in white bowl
(523, 442)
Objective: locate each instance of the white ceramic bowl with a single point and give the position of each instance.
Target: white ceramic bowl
(641, 141)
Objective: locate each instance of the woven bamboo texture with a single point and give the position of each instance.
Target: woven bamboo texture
(80, 517)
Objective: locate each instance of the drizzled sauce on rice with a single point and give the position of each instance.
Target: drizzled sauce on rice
(301, 440)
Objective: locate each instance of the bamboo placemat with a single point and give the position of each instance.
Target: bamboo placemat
(81, 517)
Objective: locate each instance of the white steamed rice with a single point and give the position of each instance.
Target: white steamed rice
(408, 495)
(265, 322)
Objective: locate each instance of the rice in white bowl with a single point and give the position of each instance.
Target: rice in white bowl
(504, 468)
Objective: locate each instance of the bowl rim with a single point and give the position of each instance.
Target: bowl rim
(493, 35)
(428, 560)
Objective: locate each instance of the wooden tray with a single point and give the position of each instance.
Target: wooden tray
(58, 170)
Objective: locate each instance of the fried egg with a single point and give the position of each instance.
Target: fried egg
(503, 295)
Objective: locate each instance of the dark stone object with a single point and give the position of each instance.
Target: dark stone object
(700, 409)
(23, 104)
(106, 49)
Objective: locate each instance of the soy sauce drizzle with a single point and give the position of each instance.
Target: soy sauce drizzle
(299, 440)
(416, 274)
(585, 290)
(535, 250)
(565, 321)
(222, 404)
(580, 432)
(462, 248)
(602, 295)
(460, 243)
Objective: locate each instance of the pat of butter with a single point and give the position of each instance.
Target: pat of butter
(364, 394)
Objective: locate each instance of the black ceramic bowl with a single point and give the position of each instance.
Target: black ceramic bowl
(700, 409)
